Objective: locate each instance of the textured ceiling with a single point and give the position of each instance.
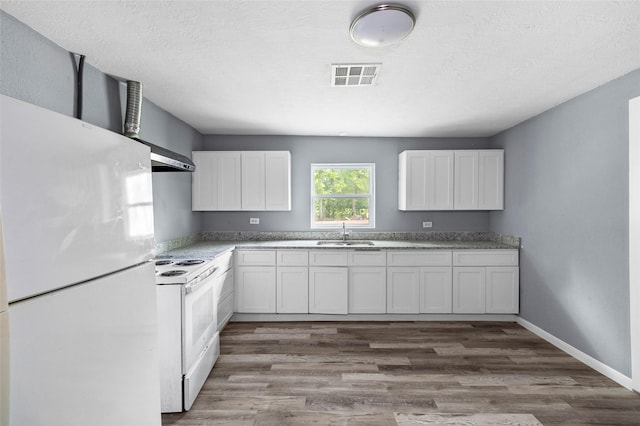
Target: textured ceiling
(470, 68)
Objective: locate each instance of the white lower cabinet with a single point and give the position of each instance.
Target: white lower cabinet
(292, 282)
(292, 289)
(255, 281)
(486, 281)
(256, 289)
(435, 290)
(403, 290)
(502, 284)
(419, 281)
(469, 290)
(328, 290)
(367, 290)
(377, 282)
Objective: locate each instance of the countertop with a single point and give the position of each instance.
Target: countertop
(211, 249)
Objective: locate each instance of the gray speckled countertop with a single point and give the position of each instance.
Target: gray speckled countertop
(211, 249)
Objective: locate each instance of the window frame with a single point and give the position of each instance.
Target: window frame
(370, 195)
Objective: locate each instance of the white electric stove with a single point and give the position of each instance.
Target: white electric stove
(187, 329)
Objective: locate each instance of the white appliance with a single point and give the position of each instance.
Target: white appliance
(78, 231)
(188, 328)
(4, 339)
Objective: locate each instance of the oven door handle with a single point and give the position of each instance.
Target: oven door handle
(198, 281)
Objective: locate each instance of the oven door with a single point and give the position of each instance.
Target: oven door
(200, 320)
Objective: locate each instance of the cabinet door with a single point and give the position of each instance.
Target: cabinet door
(425, 180)
(277, 180)
(216, 181)
(403, 290)
(412, 178)
(255, 290)
(466, 180)
(491, 180)
(436, 289)
(367, 290)
(328, 290)
(502, 289)
(292, 291)
(440, 183)
(253, 182)
(469, 290)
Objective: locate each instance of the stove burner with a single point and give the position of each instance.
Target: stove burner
(162, 262)
(174, 273)
(189, 262)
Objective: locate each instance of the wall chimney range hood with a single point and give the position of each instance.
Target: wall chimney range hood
(162, 159)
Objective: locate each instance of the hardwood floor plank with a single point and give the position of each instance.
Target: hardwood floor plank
(467, 420)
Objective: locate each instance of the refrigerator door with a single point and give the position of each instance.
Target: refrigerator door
(87, 355)
(76, 200)
(4, 368)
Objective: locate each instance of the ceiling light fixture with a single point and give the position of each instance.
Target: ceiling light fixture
(382, 25)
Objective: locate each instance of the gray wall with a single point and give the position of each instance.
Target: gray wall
(307, 149)
(38, 71)
(567, 197)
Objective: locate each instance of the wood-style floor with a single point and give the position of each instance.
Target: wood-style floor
(401, 373)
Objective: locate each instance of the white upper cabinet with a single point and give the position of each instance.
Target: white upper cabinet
(491, 180)
(466, 180)
(451, 180)
(425, 180)
(253, 184)
(479, 180)
(242, 180)
(216, 180)
(277, 178)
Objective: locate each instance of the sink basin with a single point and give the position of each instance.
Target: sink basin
(345, 243)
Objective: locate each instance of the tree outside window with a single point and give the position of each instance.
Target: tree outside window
(342, 193)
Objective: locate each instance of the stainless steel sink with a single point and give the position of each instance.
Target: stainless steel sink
(345, 243)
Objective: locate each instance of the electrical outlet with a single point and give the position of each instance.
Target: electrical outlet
(428, 224)
(254, 221)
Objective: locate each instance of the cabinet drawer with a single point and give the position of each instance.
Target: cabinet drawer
(256, 258)
(485, 258)
(328, 258)
(419, 258)
(367, 258)
(292, 257)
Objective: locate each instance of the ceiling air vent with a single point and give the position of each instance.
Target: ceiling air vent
(351, 75)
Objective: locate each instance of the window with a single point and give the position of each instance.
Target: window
(342, 193)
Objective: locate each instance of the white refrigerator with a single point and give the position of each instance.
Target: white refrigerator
(77, 216)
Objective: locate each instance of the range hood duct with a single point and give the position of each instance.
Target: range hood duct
(162, 159)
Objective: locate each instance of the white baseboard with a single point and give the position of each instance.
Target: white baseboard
(601, 368)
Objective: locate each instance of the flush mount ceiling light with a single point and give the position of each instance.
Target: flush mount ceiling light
(382, 25)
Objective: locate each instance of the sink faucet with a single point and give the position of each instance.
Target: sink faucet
(345, 233)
